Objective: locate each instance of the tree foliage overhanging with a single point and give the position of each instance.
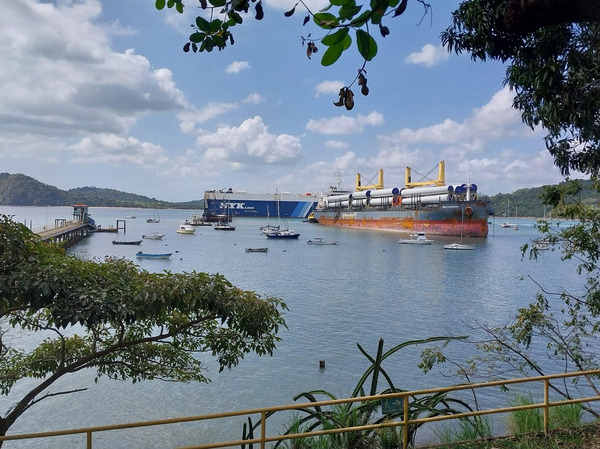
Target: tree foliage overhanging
(551, 48)
(117, 319)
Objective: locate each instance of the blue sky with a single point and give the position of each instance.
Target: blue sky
(100, 93)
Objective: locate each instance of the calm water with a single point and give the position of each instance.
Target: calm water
(365, 288)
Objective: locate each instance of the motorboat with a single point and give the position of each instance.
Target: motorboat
(142, 255)
(459, 246)
(268, 229)
(130, 216)
(417, 239)
(153, 236)
(320, 241)
(257, 250)
(186, 229)
(130, 242)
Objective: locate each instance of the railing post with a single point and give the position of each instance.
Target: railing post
(546, 405)
(263, 428)
(405, 427)
(89, 439)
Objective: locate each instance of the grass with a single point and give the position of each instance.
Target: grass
(582, 437)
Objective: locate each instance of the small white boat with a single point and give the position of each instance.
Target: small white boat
(459, 246)
(515, 227)
(186, 229)
(153, 236)
(506, 224)
(142, 255)
(268, 229)
(416, 239)
(320, 241)
(129, 216)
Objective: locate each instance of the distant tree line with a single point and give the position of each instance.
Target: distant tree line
(21, 190)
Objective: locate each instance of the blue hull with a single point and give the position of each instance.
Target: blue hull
(248, 205)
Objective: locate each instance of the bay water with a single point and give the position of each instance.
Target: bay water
(365, 288)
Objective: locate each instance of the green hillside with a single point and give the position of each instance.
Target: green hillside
(21, 190)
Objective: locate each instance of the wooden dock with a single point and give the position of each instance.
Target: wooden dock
(66, 231)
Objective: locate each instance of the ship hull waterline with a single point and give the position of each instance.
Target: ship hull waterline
(449, 220)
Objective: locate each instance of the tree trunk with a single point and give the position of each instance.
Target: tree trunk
(525, 16)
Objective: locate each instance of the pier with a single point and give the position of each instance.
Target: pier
(69, 232)
(66, 232)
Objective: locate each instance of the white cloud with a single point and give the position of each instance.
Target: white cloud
(108, 148)
(250, 143)
(192, 116)
(328, 88)
(345, 124)
(57, 85)
(237, 67)
(254, 98)
(336, 144)
(428, 56)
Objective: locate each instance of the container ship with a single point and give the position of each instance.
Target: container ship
(244, 204)
(425, 206)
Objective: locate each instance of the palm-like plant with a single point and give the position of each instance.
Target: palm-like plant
(367, 412)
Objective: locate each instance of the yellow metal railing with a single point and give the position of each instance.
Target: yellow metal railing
(405, 423)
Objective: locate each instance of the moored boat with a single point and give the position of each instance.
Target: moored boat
(257, 250)
(224, 226)
(283, 234)
(199, 220)
(459, 246)
(127, 242)
(142, 255)
(429, 206)
(186, 229)
(153, 236)
(416, 239)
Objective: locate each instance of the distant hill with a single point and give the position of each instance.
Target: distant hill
(22, 190)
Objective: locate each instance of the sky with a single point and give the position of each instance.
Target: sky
(100, 93)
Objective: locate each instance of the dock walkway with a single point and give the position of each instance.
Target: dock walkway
(65, 231)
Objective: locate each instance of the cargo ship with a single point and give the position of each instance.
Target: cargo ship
(424, 206)
(240, 203)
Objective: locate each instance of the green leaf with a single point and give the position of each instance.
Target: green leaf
(217, 3)
(333, 53)
(235, 17)
(335, 38)
(160, 4)
(215, 26)
(349, 12)
(170, 3)
(367, 47)
(326, 20)
(379, 9)
(203, 24)
(179, 7)
(197, 37)
(340, 2)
